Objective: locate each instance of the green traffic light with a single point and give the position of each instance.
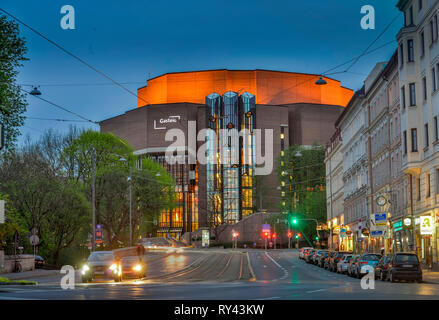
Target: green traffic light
(297, 237)
(317, 238)
(294, 221)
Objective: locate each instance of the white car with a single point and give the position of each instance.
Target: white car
(343, 264)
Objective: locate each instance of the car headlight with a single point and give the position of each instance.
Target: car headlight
(137, 267)
(113, 267)
(85, 268)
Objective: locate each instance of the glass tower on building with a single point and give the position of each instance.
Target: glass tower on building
(231, 156)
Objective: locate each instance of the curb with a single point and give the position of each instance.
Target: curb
(36, 276)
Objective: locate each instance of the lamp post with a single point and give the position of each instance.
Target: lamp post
(93, 200)
(130, 192)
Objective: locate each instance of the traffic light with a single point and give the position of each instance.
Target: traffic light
(294, 221)
(274, 236)
(266, 234)
(317, 238)
(297, 236)
(290, 234)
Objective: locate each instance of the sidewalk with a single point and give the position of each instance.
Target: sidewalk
(30, 274)
(430, 276)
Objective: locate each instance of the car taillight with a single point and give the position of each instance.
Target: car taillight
(363, 262)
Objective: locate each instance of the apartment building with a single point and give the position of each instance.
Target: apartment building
(418, 48)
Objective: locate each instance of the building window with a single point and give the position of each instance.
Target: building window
(418, 188)
(437, 181)
(435, 27)
(404, 134)
(401, 53)
(426, 135)
(414, 140)
(411, 15)
(420, 5)
(436, 133)
(427, 185)
(403, 97)
(422, 44)
(412, 94)
(433, 79)
(424, 87)
(410, 51)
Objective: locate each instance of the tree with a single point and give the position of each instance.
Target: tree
(302, 174)
(42, 197)
(151, 194)
(12, 101)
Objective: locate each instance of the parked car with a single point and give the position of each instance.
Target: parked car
(404, 266)
(352, 265)
(322, 258)
(39, 262)
(366, 259)
(101, 265)
(302, 252)
(309, 256)
(327, 261)
(342, 265)
(133, 267)
(335, 259)
(382, 267)
(317, 255)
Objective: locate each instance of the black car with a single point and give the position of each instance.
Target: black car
(309, 257)
(102, 265)
(322, 258)
(133, 267)
(382, 267)
(404, 266)
(39, 262)
(327, 260)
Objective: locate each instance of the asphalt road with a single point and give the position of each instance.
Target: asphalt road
(226, 274)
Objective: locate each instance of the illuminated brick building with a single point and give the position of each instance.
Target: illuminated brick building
(291, 104)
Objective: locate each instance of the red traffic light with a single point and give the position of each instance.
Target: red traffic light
(274, 236)
(299, 235)
(266, 234)
(290, 234)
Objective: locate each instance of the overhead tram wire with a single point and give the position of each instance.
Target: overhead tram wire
(53, 119)
(74, 56)
(60, 107)
(373, 42)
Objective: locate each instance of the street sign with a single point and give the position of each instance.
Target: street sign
(380, 219)
(34, 239)
(205, 238)
(2, 211)
(427, 225)
(98, 233)
(397, 226)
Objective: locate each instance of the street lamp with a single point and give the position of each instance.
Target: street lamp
(129, 179)
(35, 92)
(321, 81)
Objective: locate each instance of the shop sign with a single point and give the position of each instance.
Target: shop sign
(407, 223)
(397, 226)
(427, 225)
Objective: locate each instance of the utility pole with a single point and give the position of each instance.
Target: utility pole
(93, 200)
(131, 225)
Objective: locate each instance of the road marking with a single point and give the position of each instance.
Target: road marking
(269, 298)
(282, 268)
(316, 291)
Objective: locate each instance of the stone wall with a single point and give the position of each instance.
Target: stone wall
(27, 262)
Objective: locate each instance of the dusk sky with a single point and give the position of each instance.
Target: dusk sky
(133, 40)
